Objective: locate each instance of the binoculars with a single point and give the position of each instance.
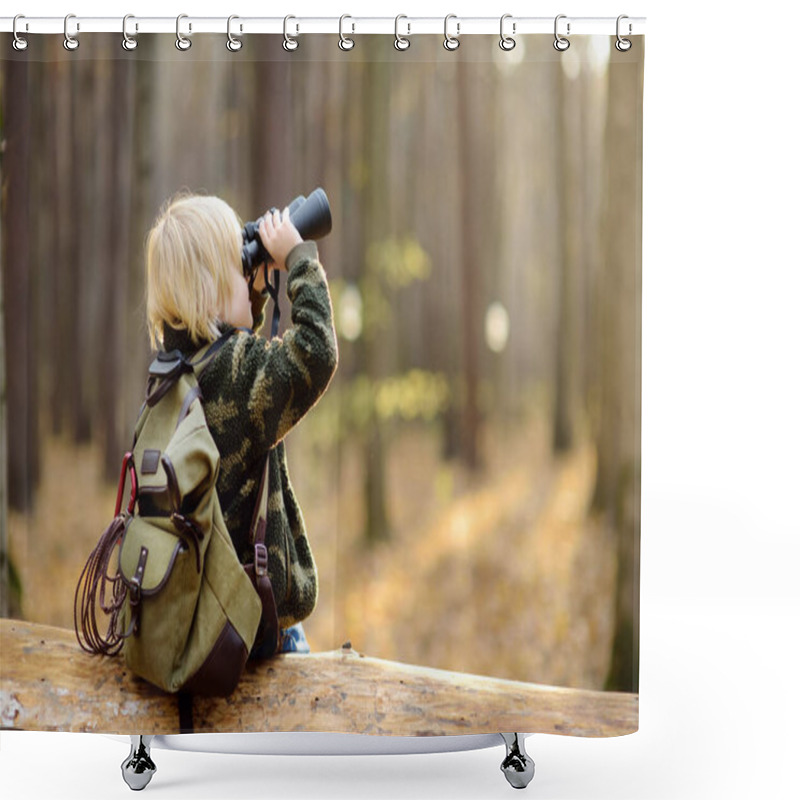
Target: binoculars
(310, 215)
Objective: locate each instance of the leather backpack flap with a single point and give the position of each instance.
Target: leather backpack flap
(163, 581)
(149, 552)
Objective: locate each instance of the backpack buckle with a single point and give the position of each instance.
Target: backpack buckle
(169, 365)
(260, 559)
(135, 595)
(186, 528)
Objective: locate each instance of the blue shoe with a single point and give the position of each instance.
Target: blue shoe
(293, 640)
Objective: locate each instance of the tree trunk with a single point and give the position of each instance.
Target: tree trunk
(476, 215)
(5, 556)
(60, 281)
(619, 474)
(376, 200)
(141, 217)
(50, 684)
(22, 444)
(118, 247)
(271, 146)
(571, 232)
(77, 262)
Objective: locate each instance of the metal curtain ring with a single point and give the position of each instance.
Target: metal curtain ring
(451, 42)
(623, 45)
(19, 43)
(70, 42)
(233, 44)
(507, 42)
(561, 44)
(290, 43)
(401, 42)
(181, 42)
(128, 42)
(344, 42)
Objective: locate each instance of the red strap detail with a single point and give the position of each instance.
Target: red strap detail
(127, 466)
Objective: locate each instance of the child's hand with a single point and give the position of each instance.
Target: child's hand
(279, 236)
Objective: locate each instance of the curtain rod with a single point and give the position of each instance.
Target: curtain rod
(187, 25)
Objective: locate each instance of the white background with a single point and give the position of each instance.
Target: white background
(720, 608)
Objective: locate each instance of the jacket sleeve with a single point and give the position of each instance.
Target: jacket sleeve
(274, 383)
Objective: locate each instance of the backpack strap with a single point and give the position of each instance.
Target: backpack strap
(258, 528)
(205, 355)
(167, 368)
(267, 637)
(201, 361)
(161, 378)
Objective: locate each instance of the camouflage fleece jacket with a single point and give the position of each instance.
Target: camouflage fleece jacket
(254, 392)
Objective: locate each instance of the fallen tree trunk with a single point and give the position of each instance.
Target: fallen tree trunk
(48, 683)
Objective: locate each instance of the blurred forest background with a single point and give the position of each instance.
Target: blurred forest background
(470, 481)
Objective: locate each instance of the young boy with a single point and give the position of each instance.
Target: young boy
(254, 391)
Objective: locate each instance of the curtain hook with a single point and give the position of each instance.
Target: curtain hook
(561, 44)
(401, 42)
(451, 42)
(344, 42)
(70, 42)
(507, 42)
(233, 44)
(19, 42)
(623, 45)
(128, 42)
(181, 42)
(289, 42)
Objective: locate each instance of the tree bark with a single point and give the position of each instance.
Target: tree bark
(476, 171)
(376, 200)
(22, 447)
(619, 472)
(5, 555)
(118, 247)
(571, 232)
(77, 262)
(50, 684)
(142, 207)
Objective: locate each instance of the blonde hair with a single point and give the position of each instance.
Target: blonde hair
(190, 251)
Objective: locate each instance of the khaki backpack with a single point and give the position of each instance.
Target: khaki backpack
(182, 609)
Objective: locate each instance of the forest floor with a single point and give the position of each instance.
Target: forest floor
(505, 573)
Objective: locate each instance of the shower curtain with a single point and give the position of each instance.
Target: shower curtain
(470, 479)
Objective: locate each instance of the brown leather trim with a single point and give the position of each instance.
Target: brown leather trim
(260, 535)
(150, 461)
(193, 394)
(135, 591)
(155, 490)
(211, 352)
(268, 629)
(220, 672)
(180, 547)
(185, 713)
(156, 389)
(268, 634)
(254, 533)
(154, 501)
(172, 483)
